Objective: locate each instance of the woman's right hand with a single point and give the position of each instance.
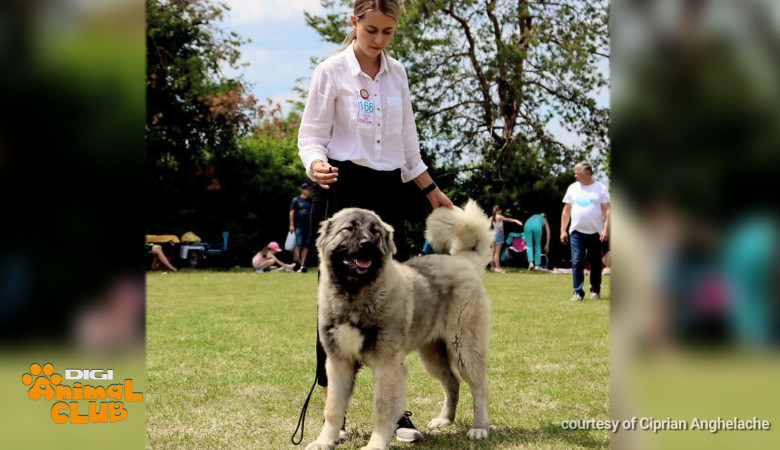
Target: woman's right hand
(324, 173)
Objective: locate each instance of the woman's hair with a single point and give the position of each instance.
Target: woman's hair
(391, 8)
(496, 209)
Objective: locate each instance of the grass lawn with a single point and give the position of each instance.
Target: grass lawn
(230, 358)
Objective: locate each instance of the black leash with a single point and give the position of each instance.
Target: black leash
(302, 417)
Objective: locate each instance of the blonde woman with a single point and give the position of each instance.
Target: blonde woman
(358, 139)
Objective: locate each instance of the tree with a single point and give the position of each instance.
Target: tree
(194, 113)
(490, 80)
(263, 174)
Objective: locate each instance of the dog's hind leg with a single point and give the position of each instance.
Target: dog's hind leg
(389, 400)
(471, 364)
(341, 381)
(434, 358)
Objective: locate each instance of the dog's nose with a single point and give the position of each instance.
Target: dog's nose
(365, 243)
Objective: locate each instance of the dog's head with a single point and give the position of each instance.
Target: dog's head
(355, 244)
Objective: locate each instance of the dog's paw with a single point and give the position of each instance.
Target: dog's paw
(478, 433)
(320, 446)
(373, 447)
(439, 422)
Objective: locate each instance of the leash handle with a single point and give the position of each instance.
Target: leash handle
(302, 417)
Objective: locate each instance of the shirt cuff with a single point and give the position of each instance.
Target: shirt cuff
(309, 159)
(410, 174)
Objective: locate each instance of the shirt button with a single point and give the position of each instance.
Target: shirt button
(379, 124)
(379, 109)
(378, 141)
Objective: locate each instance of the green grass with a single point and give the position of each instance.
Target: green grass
(230, 359)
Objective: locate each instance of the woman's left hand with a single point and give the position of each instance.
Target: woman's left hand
(439, 199)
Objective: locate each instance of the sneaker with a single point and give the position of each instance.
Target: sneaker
(301, 269)
(595, 295)
(405, 431)
(577, 297)
(260, 270)
(296, 267)
(530, 266)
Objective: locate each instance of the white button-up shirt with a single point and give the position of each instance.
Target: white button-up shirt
(351, 117)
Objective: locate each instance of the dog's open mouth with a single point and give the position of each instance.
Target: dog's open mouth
(357, 263)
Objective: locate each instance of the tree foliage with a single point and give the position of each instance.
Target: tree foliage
(217, 160)
(194, 113)
(496, 83)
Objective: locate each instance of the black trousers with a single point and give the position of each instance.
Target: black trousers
(360, 187)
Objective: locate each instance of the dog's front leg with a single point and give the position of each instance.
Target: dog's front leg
(389, 401)
(341, 380)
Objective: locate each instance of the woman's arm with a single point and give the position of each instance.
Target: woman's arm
(289, 266)
(508, 219)
(435, 196)
(547, 245)
(317, 121)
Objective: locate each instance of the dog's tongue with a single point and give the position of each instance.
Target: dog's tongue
(363, 263)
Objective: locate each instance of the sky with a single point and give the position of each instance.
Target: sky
(281, 44)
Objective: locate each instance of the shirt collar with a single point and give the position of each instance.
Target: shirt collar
(354, 65)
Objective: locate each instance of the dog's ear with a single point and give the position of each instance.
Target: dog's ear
(388, 239)
(324, 227)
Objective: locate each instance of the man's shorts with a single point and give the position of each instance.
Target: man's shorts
(301, 237)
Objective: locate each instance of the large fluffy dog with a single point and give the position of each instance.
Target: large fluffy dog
(374, 311)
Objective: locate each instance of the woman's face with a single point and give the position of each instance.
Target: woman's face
(374, 32)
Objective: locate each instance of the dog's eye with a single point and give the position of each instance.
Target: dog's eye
(349, 228)
(374, 230)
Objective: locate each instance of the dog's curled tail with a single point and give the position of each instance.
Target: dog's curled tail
(461, 231)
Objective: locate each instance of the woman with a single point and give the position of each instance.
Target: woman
(498, 227)
(358, 139)
(533, 239)
(266, 258)
(159, 258)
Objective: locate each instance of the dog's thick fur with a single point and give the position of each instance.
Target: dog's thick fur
(374, 311)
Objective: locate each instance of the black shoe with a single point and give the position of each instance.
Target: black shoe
(296, 267)
(405, 431)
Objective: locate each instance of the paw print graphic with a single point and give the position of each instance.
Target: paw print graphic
(42, 385)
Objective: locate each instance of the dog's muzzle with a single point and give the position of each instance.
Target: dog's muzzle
(361, 260)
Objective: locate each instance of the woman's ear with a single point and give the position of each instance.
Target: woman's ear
(354, 20)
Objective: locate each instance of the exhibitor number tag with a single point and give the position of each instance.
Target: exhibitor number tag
(365, 111)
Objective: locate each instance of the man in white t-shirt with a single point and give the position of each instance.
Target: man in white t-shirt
(586, 204)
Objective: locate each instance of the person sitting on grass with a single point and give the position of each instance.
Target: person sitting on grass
(266, 258)
(159, 259)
